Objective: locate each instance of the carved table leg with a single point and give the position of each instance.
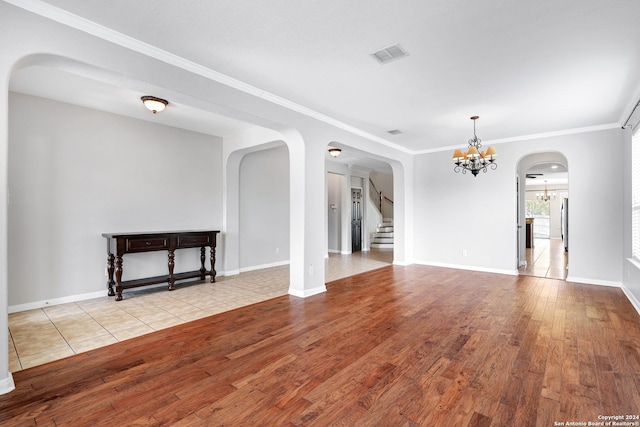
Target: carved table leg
(118, 278)
(213, 263)
(203, 270)
(172, 279)
(110, 269)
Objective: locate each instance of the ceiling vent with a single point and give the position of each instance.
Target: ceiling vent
(394, 132)
(389, 54)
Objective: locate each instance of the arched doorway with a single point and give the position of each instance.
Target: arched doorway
(543, 216)
(359, 214)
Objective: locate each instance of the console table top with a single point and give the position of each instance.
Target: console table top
(145, 233)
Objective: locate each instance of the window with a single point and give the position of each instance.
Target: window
(539, 210)
(635, 194)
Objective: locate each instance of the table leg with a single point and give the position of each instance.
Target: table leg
(110, 269)
(203, 270)
(118, 278)
(213, 263)
(172, 279)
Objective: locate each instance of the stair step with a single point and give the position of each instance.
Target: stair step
(384, 229)
(382, 245)
(383, 240)
(383, 234)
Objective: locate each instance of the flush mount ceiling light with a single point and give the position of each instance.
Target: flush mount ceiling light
(474, 160)
(154, 104)
(335, 152)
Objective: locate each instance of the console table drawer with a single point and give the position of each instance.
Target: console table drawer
(193, 240)
(148, 244)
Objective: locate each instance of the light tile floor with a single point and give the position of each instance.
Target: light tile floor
(43, 335)
(547, 259)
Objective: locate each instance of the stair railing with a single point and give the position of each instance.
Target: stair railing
(376, 195)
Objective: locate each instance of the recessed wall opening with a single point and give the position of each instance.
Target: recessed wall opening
(360, 208)
(543, 216)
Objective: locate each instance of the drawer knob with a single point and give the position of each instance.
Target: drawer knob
(147, 243)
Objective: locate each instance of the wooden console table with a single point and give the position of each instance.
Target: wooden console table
(128, 243)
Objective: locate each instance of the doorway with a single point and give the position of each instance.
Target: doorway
(356, 219)
(543, 251)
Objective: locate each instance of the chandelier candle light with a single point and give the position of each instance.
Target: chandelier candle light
(474, 160)
(545, 197)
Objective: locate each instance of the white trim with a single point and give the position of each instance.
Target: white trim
(403, 264)
(598, 282)
(468, 267)
(333, 251)
(635, 262)
(7, 384)
(307, 292)
(632, 298)
(74, 21)
(260, 267)
(526, 137)
(229, 273)
(56, 301)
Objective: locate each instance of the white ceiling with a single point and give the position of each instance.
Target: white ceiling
(551, 173)
(525, 67)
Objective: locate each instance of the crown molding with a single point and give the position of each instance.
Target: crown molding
(585, 129)
(82, 24)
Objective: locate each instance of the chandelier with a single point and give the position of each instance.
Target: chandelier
(474, 160)
(546, 196)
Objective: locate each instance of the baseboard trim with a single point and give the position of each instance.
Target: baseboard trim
(307, 292)
(7, 384)
(598, 282)
(468, 267)
(231, 272)
(56, 301)
(632, 298)
(262, 266)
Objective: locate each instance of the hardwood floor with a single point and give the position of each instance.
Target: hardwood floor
(397, 346)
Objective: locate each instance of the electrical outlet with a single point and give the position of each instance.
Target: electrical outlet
(277, 251)
(311, 270)
(464, 252)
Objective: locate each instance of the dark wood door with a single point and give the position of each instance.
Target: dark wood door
(356, 219)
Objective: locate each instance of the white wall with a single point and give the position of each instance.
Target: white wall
(334, 212)
(75, 173)
(458, 212)
(264, 208)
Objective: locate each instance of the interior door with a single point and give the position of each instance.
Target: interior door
(356, 219)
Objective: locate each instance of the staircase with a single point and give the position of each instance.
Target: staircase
(383, 237)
